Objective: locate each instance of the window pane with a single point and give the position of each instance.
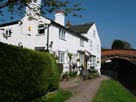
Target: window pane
(81, 42)
(61, 56)
(61, 34)
(41, 29)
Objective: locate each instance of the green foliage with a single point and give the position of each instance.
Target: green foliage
(70, 55)
(60, 67)
(103, 49)
(56, 96)
(119, 44)
(65, 76)
(26, 74)
(92, 73)
(72, 74)
(48, 6)
(112, 91)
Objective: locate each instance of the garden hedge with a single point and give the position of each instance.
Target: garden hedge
(26, 74)
(60, 67)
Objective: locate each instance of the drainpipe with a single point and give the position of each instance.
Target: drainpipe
(47, 39)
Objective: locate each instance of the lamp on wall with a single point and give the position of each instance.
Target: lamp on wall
(20, 44)
(51, 43)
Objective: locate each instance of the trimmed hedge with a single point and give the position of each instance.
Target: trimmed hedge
(26, 74)
(60, 67)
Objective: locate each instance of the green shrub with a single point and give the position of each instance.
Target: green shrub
(60, 66)
(92, 73)
(72, 74)
(26, 74)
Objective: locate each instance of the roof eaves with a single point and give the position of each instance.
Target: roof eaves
(77, 34)
(9, 23)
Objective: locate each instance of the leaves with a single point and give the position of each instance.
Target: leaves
(17, 7)
(120, 44)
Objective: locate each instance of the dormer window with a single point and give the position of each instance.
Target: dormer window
(61, 34)
(41, 28)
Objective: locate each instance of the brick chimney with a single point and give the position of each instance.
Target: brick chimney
(60, 17)
(68, 24)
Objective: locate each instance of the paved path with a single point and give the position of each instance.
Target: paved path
(83, 91)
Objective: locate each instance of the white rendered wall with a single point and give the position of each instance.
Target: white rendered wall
(21, 33)
(96, 45)
(70, 45)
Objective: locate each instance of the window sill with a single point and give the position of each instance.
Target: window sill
(81, 45)
(62, 39)
(61, 62)
(40, 34)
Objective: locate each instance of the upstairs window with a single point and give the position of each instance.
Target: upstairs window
(61, 57)
(81, 42)
(7, 33)
(91, 44)
(94, 33)
(98, 47)
(41, 29)
(61, 34)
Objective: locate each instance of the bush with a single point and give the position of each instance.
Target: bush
(26, 74)
(60, 66)
(92, 73)
(72, 74)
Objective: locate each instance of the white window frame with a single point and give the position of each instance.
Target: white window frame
(62, 34)
(61, 56)
(82, 42)
(81, 56)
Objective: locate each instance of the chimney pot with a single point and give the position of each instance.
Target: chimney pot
(68, 24)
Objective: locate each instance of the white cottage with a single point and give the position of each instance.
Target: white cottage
(72, 45)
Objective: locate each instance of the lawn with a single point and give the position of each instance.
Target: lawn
(56, 96)
(113, 91)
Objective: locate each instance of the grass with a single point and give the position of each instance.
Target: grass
(113, 91)
(56, 96)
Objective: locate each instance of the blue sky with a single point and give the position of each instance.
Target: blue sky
(115, 19)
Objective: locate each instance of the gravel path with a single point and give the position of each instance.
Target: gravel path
(83, 91)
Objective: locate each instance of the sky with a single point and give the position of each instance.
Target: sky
(115, 19)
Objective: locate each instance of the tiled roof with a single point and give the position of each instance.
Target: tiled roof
(67, 29)
(82, 28)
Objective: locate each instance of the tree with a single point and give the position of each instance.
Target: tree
(47, 6)
(120, 44)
